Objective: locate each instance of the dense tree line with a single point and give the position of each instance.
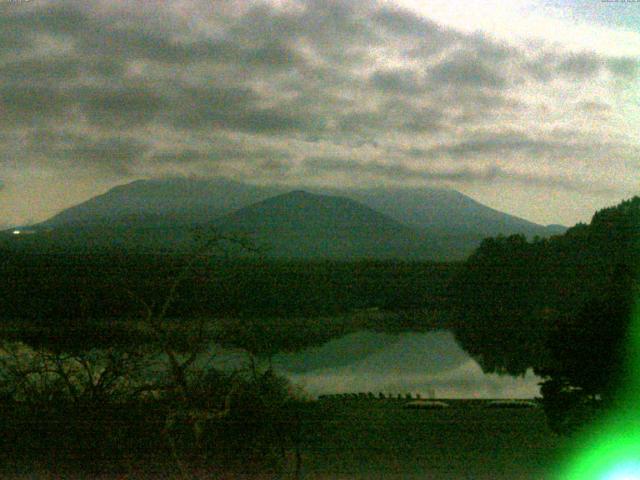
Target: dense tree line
(561, 306)
(52, 287)
(100, 295)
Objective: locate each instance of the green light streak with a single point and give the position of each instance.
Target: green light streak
(610, 449)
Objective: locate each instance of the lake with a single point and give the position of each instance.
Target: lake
(423, 363)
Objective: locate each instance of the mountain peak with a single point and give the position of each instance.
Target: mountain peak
(424, 222)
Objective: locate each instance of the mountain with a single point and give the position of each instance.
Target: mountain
(455, 222)
(304, 225)
(379, 222)
(447, 211)
(163, 201)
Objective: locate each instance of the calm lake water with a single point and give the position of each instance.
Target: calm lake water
(402, 363)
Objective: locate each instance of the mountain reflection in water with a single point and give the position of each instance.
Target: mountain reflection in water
(403, 363)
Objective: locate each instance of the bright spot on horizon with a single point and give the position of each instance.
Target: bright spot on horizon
(16, 232)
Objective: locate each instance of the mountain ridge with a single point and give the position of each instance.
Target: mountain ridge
(299, 224)
(415, 221)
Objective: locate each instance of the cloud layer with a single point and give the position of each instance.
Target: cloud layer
(317, 92)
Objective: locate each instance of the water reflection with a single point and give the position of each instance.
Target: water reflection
(404, 363)
(392, 364)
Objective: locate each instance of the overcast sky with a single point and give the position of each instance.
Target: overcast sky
(530, 107)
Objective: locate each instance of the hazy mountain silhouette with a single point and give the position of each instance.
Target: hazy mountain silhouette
(165, 201)
(447, 211)
(304, 225)
(348, 223)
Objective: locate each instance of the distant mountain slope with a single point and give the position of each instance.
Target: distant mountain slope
(304, 225)
(386, 222)
(164, 201)
(447, 211)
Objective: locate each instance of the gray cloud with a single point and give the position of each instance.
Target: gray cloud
(113, 37)
(399, 172)
(224, 151)
(582, 65)
(579, 66)
(54, 69)
(332, 75)
(594, 106)
(403, 81)
(120, 107)
(461, 71)
(510, 143)
(112, 156)
(392, 115)
(236, 108)
(623, 67)
(177, 156)
(29, 104)
(403, 23)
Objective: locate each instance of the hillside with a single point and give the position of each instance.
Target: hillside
(163, 201)
(447, 211)
(159, 215)
(304, 225)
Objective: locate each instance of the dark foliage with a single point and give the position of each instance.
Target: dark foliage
(561, 306)
(69, 302)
